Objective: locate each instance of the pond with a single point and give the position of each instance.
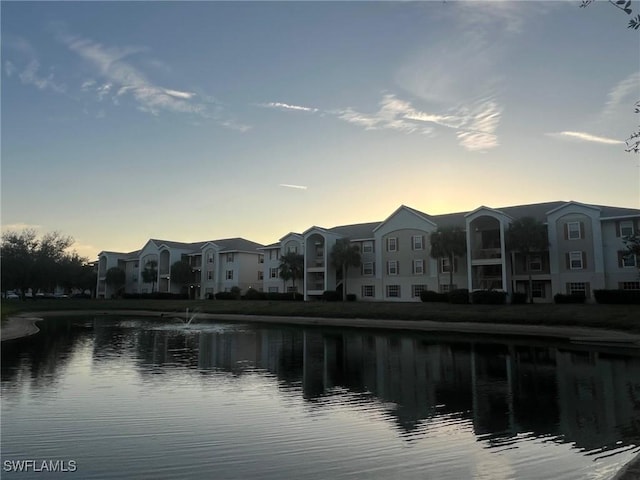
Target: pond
(115, 398)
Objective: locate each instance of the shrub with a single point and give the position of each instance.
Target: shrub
(518, 298)
(488, 297)
(289, 296)
(226, 296)
(331, 296)
(617, 296)
(573, 298)
(155, 296)
(351, 297)
(253, 294)
(459, 296)
(431, 296)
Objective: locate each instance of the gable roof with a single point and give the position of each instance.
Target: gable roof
(356, 231)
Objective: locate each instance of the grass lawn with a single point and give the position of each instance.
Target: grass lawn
(617, 317)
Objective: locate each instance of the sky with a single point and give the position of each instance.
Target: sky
(124, 121)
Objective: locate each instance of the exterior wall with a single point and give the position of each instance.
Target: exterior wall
(561, 246)
(615, 273)
(271, 261)
(357, 278)
(107, 260)
(400, 228)
(319, 274)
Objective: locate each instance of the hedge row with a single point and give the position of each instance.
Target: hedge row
(155, 296)
(617, 296)
(572, 298)
(456, 296)
(488, 297)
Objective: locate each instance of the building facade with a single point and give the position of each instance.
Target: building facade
(585, 253)
(216, 266)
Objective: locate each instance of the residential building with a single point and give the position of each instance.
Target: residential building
(585, 252)
(216, 265)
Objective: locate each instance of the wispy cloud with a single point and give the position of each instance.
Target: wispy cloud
(393, 113)
(31, 75)
(586, 137)
(622, 95)
(286, 106)
(297, 187)
(115, 77)
(127, 79)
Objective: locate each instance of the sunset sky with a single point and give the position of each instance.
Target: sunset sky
(195, 121)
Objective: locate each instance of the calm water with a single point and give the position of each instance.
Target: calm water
(129, 398)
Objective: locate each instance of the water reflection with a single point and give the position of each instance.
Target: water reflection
(504, 391)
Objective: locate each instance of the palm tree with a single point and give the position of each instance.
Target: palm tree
(448, 242)
(116, 278)
(343, 256)
(150, 273)
(527, 235)
(291, 267)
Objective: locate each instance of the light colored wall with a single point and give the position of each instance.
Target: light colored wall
(612, 244)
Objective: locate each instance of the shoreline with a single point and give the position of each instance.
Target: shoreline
(24, 325)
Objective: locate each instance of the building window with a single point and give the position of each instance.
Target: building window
(534, 263)
(260, 258)
(626, 228)
(418, 242)
(292, 289)
(273, 272)
(392, 244)
(629, 285)
(229, 257)
(577, 288)
(273, 254)
(392, 268)
(418, 267)
(134, 278)
(448, 288)
(537, 289)
(628, 260)
(229, 275)
(416, 290)
(393, 291)
(573, 231)
(445, 265)
(260, 275)
(368, 291)
(292, 249)
(209, 275)
(273, 289)
(210, 258)
(367, 268)
(367, 247)
(575, 261)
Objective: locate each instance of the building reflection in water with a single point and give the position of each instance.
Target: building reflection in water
(582, 395)
(571, 394)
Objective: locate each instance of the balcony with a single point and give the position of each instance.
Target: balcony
(486, 254)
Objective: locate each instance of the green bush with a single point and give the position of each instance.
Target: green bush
(617, 296)
(431, 296)
(488, 297)
(351, 297)
(331, 296)
(573, 298)
(253, 294)
(155, 296)
(227, 296)
(518, 298)
(459, 296)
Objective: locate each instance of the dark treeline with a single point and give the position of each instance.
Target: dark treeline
(43, 264)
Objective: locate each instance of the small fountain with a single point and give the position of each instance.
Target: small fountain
(188, 319)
